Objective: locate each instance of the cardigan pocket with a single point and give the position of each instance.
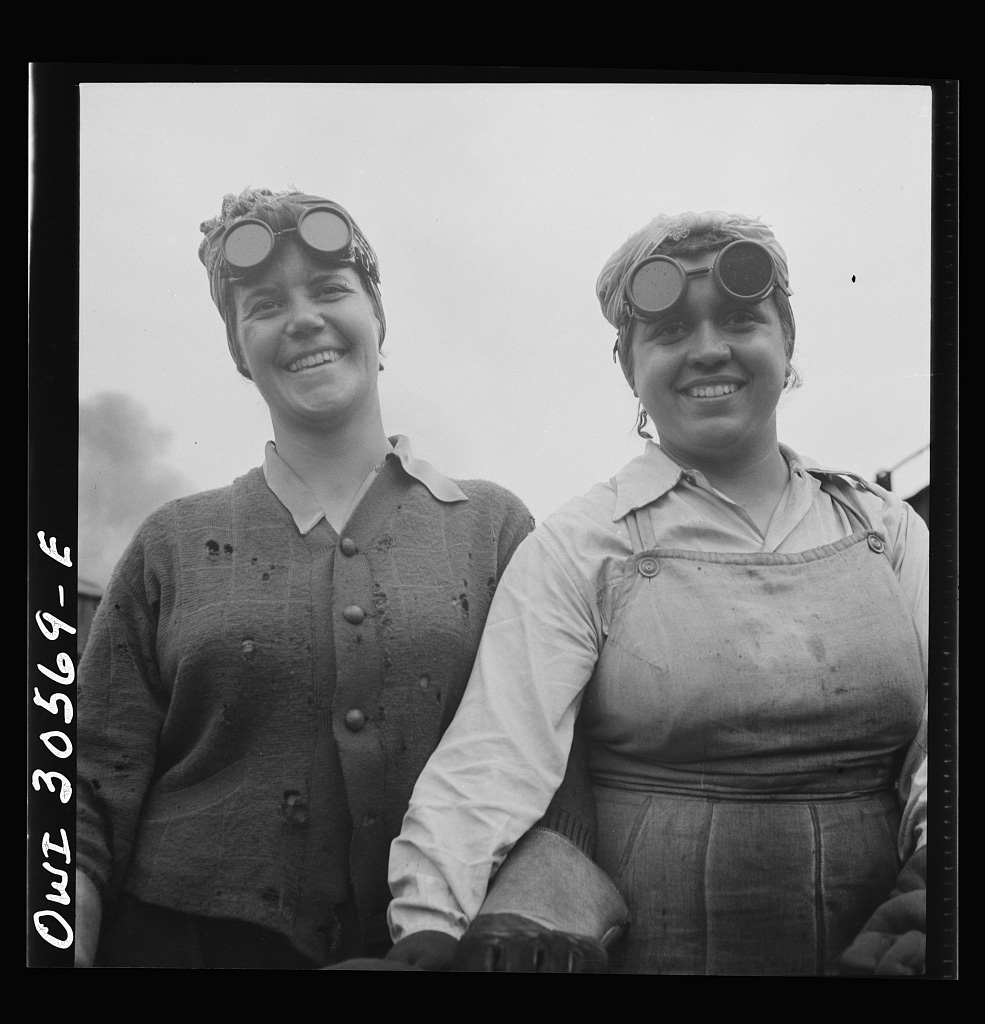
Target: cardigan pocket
(216, 789)
(209, 849)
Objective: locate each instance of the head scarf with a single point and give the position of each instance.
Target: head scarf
(255, 203)
(611, 285)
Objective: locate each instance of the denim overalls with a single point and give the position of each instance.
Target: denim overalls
(746, 721)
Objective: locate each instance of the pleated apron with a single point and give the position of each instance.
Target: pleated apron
(746, 722)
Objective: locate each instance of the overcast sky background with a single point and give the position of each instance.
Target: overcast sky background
(492, 209)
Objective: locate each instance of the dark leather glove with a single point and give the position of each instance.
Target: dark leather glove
(427, 950)
(893, 942)
(511, 944)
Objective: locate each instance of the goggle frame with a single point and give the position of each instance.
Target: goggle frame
(719, 269)
(236, 269)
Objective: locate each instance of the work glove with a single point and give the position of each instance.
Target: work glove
(893, 942)
(511, 944)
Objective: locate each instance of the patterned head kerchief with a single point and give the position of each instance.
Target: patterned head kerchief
(611, 285)
(261, 203)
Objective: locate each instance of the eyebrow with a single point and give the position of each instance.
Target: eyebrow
(248, 291)
(337, 272)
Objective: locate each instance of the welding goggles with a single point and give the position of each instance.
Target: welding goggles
(744, 271)
(325, 231)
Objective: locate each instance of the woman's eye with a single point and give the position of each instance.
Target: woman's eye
(669, 330)
(263, 306)
(332, 291)
(740, 318)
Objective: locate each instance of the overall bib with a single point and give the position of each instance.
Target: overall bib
(746, 723)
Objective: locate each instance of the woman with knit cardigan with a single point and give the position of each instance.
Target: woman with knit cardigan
(274, 661)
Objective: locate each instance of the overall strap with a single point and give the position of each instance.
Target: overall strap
(641, 531)
(847, 497)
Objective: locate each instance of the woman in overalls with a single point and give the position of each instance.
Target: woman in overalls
(741, 636)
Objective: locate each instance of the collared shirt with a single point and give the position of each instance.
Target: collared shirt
(305, 509)
(543, 636)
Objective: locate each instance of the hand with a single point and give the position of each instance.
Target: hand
(428, 950)
(893, 942)
(88, 919)
(511, 944)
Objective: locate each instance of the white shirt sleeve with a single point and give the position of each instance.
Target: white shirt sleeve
(911, 562)
(505, 753)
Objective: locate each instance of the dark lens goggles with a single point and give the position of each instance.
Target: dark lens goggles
(744, 270)
(324, 231)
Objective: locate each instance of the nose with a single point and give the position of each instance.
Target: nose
(708, 347)
(305, 317)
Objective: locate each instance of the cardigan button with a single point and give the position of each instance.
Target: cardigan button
(648, 567)
(354, 720)
(876, 543)
(353, 614)
(348, 547)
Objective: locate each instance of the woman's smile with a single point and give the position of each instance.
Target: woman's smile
(704, 391)
(321, 358)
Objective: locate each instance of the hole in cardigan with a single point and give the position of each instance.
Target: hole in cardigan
(293, 809)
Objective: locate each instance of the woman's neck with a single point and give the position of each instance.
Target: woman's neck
(334, 464)
(756, 482)
(766, 474)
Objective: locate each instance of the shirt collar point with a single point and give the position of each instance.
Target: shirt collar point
(441, 487)
(648, 477)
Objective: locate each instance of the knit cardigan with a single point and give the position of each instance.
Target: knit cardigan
(256, 704)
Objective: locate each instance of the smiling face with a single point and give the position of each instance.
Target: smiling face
(710, 373)
(310, 339)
